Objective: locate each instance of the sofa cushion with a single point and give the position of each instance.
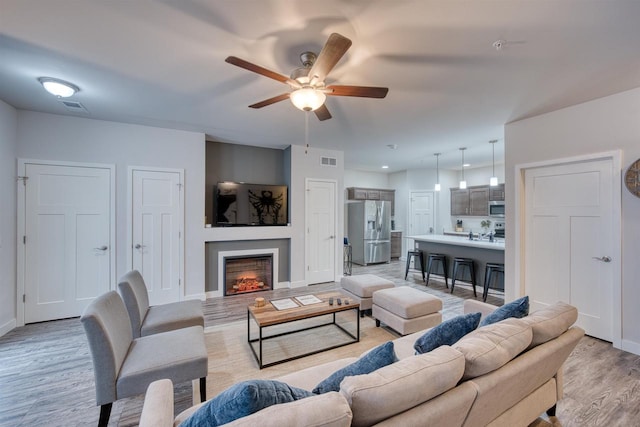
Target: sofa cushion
(243, 399)
(326, 410)
(490, 347)
(516, 308)
(402, 385)
(551, 322)
(380, 356)
(447, 333)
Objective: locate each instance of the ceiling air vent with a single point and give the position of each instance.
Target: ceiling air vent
(329, 161)
(74, 106)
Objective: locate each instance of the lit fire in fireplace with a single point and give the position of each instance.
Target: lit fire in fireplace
(248, 284)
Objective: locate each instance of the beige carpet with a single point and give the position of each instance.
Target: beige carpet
(231, 360)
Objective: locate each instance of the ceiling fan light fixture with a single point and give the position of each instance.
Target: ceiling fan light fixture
(58, 87)
(307, 98)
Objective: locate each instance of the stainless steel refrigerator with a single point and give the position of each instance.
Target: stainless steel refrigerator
(370, 231)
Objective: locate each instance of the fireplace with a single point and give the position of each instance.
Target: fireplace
(247, 271)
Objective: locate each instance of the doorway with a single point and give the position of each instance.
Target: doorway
(156, 207)
(320, 212)
(571, 217)
(421, 215)
(66, 257)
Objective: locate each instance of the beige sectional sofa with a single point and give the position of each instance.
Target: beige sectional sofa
(505, 374)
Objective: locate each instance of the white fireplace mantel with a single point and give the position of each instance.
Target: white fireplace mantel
(225, 234)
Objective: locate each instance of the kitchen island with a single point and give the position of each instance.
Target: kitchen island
(481, 251)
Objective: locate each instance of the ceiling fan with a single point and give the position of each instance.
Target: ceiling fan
(309, 91)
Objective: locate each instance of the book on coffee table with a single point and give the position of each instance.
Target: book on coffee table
(283, 304)
(308, 299)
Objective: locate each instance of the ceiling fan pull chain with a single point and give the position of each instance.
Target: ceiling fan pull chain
(306, 132)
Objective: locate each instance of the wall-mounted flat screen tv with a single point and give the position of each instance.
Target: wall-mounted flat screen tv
(238, 204)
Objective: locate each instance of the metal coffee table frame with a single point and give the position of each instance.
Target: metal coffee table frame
(333, 311)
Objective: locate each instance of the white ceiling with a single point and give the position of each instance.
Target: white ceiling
(161, 63)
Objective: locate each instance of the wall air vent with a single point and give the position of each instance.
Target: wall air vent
(329, 161)
(74, 106)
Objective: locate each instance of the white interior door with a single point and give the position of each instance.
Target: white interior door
(67, 239)
(421, 213)
(156, 200)
(569, 253)
(321, 231)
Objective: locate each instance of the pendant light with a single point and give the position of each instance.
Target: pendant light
(463, 183)
(437, 187)
(493, 181)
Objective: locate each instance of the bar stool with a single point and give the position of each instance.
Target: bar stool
(488, 271)
(416, 253)
(433, 257)
(464, 262)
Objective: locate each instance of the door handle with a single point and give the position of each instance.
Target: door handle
(603, 259)
(331, 237)
(139, 246)
(102, 248)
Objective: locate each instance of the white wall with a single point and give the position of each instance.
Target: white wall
(610, 123)
(307, 165)
(354, 178)
(52, 137)
(8, 148)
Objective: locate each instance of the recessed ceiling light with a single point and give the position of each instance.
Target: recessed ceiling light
(385, 167)
(58, 87)
(466, 165)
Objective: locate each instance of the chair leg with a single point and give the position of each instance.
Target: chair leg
(552, 411)
(105, 413)
(421, 256)
(428, 272)
(487, 281)
(203, 389)
(406, 271)
(455, 274)
(472, 271)
(444, 269)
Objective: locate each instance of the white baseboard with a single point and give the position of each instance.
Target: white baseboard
(201, 297)
(298, 284)
(630, 346)
(282, 285)
(9, 326)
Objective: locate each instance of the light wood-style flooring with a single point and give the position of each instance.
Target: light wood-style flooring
(46, 373)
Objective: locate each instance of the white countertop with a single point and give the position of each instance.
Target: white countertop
(460, 241)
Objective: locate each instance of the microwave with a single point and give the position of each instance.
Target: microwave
(496, 209)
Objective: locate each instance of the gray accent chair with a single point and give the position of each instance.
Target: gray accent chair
(148, 320)
(124, 366)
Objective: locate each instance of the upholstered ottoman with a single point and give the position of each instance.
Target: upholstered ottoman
(406, 310)
(362, 286)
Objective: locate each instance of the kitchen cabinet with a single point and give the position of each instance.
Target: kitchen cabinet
(459, 201)
(357, 193)
(479, 201)
(472, 201)
(396, 244)
(496, 193)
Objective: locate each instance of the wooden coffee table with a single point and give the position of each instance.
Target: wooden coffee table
(267, 316)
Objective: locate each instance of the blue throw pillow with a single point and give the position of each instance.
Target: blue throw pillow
(380, 356)
(517, 308)
(447, 333)
(243, 399)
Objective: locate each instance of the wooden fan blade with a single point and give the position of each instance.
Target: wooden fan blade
(361, 91)
(233, 60)
(322, 113)
(329, 56)
(270, 101)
